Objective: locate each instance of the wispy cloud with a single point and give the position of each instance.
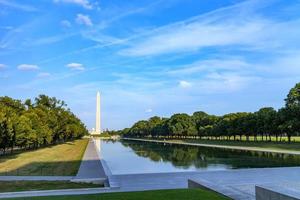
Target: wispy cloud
(27, 67)
(14, 38)
(50, 39)
(239, 26)
(43, 75)
(220, 83)
(84, 20)
(184, 84)
(18, 6)
(84, 3)
(66, 24)
(2, 66)
(96, 34)
(6, 27)
(149, 110)
(211, 65)
(75, 66)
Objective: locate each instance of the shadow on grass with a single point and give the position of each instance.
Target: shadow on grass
(93, 169)
(60, 160)
(69, 168)
(14, 154)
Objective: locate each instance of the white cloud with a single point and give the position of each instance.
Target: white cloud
(75, 66)
(18, 6)
(228, 64)
(84, 3)
(49, 40)
(84, 20)
(43, 75)
(184, 84)
(27, 67)
(6, 27)
(238, 26)
(2, 66)
(196, 35)
(65, 24)
(225, 82)
(149, 110)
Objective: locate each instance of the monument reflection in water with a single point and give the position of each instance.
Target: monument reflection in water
(132, 157)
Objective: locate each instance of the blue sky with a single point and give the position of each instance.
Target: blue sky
(150, 57)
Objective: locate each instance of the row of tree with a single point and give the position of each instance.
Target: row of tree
(33, 124)
(266, 122)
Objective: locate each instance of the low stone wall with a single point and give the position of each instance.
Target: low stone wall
(275, 193)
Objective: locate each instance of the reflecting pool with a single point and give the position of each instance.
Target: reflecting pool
(133, 157)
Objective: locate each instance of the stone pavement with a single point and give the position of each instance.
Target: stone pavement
(240, 182)
(91, 169)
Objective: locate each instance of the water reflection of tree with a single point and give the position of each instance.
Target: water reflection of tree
(185, 156)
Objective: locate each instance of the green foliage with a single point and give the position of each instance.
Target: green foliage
(266, 122)
(34, 124)
(293, 98)
(181, 124)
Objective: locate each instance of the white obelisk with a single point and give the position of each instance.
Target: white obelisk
(98, 114)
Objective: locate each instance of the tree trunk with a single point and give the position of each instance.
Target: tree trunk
(280, 138)
(289, 138)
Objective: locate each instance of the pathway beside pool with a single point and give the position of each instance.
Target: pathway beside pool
(91, 168)
(238, 184)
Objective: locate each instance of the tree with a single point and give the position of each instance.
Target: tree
(293, 97)
(140, 129)
(266, 122)
(15, 105)
(152, 123)
(6, 132)
(181, 125)
(31, 125)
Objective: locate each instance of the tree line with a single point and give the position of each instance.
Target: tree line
(29, 124)
(265, 123)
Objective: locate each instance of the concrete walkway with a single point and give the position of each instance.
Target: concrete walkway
(91, 169)
(240, 184)
(219, 146)
(237, 184)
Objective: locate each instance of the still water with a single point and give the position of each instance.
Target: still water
(133, 157)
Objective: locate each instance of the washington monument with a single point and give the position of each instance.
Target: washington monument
(98, 115)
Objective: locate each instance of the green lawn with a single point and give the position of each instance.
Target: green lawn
(181, 194)
(15, 186)
(57, 160)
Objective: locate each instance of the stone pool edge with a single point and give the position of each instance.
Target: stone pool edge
(218, 146)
